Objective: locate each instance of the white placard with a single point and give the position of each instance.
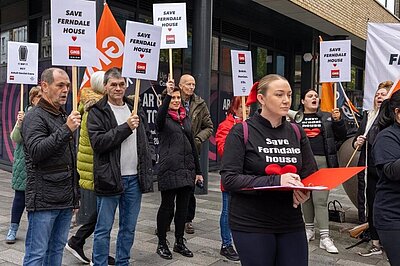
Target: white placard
(141, 51)
(22, 63)
(73, 33)
(242, 72)
(172, 18)
(335, 61)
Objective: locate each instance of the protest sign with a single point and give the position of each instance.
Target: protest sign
(242, 72)
(22, 63)
(335, 61)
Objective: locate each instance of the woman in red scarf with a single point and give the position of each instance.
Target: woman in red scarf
(179, 169)
(234, 116)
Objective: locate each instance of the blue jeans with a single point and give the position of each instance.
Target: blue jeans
(129, 207)
(224, 222)
(46, 237)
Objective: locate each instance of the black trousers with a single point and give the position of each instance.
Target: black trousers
(372, 180)
(391, 245)
(258, 249)
(167, 207)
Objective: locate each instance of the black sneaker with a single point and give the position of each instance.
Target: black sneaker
(229, 252)
(77, 252)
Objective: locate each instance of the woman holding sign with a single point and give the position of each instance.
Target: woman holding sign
(266, 150)
(179, 169)
(323, 129)
(386, 151)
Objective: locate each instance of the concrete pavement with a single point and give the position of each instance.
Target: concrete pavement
(205, 243)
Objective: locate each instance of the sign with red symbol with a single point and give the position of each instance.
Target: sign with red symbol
(242, 72)
(73, 33)
(171, 18)
(335, 61)
(141, 51)
(22, 62)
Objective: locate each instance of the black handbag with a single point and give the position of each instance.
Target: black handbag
(336, 213)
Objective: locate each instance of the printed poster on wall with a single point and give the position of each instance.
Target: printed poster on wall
(335, 61)
(22, 63)
(172, 18)
(242, 72)
(73, 33)
(141, 51)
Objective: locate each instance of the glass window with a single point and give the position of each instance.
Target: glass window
(226, 46)
(214, 53)
(280, 65)
(47, 28)
(261, 62)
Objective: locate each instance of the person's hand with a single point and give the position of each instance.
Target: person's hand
(300, 196)
(170, 86)
(74, 120)
(20, 117)
(199, 178)
(360, 141)
(336, 114)
(290, 179)
(133, 121)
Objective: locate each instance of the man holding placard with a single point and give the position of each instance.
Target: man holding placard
(122, 166)
(52, 183)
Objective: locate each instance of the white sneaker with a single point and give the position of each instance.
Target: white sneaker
(327, 244)
(310, 234)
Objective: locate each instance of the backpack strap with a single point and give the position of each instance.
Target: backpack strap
(297, 131)
(245, 132)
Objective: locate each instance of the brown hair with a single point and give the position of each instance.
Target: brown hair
(234, 105)
(385, 85)
(164, 92)
(266, 80)
(33, 93)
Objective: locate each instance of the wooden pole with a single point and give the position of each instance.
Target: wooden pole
(74, 88)
(352, 156)
(21, 108)
(171, 75)
(244, 107)
(334, 95)
(136, 100)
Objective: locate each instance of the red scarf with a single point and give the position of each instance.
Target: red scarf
(179, 115)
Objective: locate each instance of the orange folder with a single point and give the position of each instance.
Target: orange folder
(323, 179)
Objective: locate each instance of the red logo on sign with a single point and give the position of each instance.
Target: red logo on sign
(11, 77)
(242, 58)
(74, 52)
(141, 67)
(170, 39)
(335, 73)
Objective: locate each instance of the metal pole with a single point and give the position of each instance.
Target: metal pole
(201, 62)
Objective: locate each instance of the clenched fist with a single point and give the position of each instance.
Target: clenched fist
(74, 120)
(133, 121)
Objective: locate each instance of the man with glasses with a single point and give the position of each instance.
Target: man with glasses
(122, 167)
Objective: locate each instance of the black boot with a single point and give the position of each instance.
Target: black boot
(163, 250)
(181, 248)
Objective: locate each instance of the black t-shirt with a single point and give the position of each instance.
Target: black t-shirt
(386, 152)
(245, 165)
(312, 125)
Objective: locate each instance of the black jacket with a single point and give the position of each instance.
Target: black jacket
(106, 137)
(52, 181)
(332, 131)
(179, 161)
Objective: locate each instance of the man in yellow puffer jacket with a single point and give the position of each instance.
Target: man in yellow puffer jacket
(89, 96)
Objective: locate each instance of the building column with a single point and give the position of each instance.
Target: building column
(201, 62)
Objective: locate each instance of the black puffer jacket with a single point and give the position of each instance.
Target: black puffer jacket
(52, 182)
(179, 161)
(106, 137)
(332, 131)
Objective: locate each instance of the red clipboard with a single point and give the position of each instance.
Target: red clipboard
(323, 179)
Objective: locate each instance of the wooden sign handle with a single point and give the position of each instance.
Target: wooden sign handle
(244, 107)
(74, 88)
(334, 95)
(136, 100)
(171, 75)
(22, 98)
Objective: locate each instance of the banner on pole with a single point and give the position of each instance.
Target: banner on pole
(335, 61)
(73, 30)
(382, 58)
(171, 18)
(141, 51)
(22, 63)
(242, 72)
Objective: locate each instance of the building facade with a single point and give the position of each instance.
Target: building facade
(283, 36)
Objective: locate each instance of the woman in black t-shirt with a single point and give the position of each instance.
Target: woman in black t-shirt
(323, 129)
(386, 153)
(267, 226)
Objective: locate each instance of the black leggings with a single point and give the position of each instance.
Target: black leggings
(167, 207)
(18, 206)
(257, 249)
(390, 241)
(372, 180)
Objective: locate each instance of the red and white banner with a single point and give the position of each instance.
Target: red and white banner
(382, 58)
